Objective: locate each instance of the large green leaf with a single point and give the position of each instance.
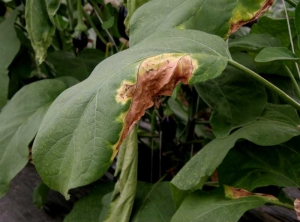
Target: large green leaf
(270, 54)
(80, 67)
(19, 122)
(9, 47)
(249, 166)
(39, 27)
(153, 202)
(278, 124)
(82, 131)
(125, 188)
(253, 42)
(220, 17)
(236, 99)
(90, 207)
(222, 204)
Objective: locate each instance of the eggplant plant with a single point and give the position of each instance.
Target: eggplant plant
(199, 108)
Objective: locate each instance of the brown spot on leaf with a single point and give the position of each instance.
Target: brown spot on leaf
(235, 25)
(235, 193)
(157, 76)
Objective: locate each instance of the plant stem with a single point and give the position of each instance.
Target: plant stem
(290, 35)
(278, 203)
(70, 13)
(80, 27)
(88, 18)
(269, 85)
(295, 84)
(97, 11)
(291, 2)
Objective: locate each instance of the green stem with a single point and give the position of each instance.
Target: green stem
(88, 18)
(269, 85)
(291, 2)
(278, 203)
(81, 27)
(70, 14)
(98, 13)
(295, 84)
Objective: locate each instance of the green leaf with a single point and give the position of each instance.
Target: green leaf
(4, 80)
(217, 206)
(297, 23)
(80, 67)
(81, 133)
(253, 42)
(278, 124)
(275, 27)
(52, 7)
(9, 42)
(108, 23)
(193, 14)
(249, 166)
(90, 207)
(153, 202)
(39, 27)
(40, 194)
(20, 120)
(236, 99)
(274, 54)
(125, 188)
(132, 6)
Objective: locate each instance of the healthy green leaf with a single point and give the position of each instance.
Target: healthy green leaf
(297, 23)
(90, 207)
(108, 24)
(52, 7)
(218, 206)
(81, 133)
(236, 99)
(19, 122)
(125, 188)
(40, 194)
(278, 124)
(253, 42)
(39, 26)
(274, 54)
(249, 166)
(4, 80)
(80, 67)
(153, 202)
(194, 14)
(84, 127)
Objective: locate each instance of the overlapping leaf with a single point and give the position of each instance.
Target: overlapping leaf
(249, 166)
(81, 133)
(278, 124)
(194, 14)
(19, 122)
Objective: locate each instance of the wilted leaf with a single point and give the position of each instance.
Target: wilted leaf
(82, 132)
(19, 122)
(125, 188)
(222, 204)
(275, 53)
(253, 42)
(90, 207)
(39, 27)
(249, 166)
(278, 124)
(236, 99)
(194, 14)
(153, 202)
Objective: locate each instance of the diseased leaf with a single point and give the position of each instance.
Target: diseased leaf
(39, 27)
(194, 14)
(222, 204)
(278, 124)
(253, 42)
(90, 207)
(82, 132)
(249, 166)
(125, 188)
(19, 122)
(275, 53)
(236, 99)
(153, 202)
(40, 194)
